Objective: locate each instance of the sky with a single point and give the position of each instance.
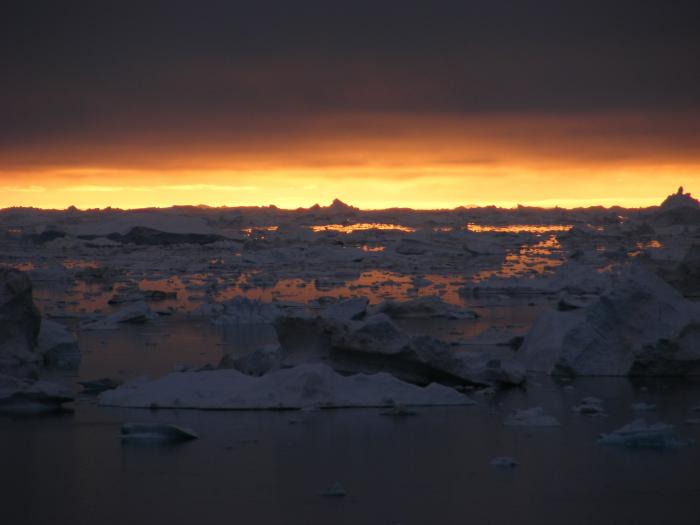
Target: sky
(422, 104)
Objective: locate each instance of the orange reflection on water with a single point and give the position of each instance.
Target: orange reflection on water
(80, 264)
(519, 228)
(250, 230)
(376, 285)
(530, 259)
(642, 246)
(360, 226)
(21, 266)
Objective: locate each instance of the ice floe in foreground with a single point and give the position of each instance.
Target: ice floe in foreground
(31, 397)
(312, 385)
(639, 434)
(156, 432)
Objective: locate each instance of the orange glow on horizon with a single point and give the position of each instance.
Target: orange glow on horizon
(447, 188)
(372, 162)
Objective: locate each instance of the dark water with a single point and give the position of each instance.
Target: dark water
(268, 467)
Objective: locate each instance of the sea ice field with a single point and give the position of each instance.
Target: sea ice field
(336, 365)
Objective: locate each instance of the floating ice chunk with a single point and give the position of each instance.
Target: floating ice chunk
(412, 247)
(638, 434)
(504, 462)
(347, 310)
(531, 417)
(132, 295)
(19, 325)
(377, 344)
(334, 491)
(156, 432)
(289, 388)
(96, 386)
(257, 362)
(136, 313)
(640, 326)
(58, 346)
(590, 406)
(494, 336)
(423, 307)
(25, 396)
(159, 295)
(643, 407)
(237, 311)
(569, 301)
(478, 244)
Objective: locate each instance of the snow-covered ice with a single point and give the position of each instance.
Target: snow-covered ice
(640, 434)
(292, 388)
(531, 417)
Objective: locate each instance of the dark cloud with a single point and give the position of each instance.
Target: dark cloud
(99, 71)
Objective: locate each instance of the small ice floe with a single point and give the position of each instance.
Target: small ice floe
(399, 410)
(426, 307)
(643, 407)
(97, 386)
(238, 311)
(334, 491)
(639, 434)
(531, 417)
(257, 363)
(693, 421)
(347, 310)
(695, 409)
(20, 396)
(156, 432)
(135, 313)
(590, 406)
(489, 391)
(504, 462)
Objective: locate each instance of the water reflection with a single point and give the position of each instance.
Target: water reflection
(519, 228)
(80, 264)
(376, 285)
(361, 226)
(530, 259)
(259, 229)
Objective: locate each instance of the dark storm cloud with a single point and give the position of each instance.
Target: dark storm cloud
(93, 71)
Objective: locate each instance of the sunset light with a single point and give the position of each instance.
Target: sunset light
(312, 262)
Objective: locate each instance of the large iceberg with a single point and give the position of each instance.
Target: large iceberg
(639, 326)
(311, 385)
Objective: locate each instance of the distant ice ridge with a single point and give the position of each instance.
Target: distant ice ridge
(680, 199)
